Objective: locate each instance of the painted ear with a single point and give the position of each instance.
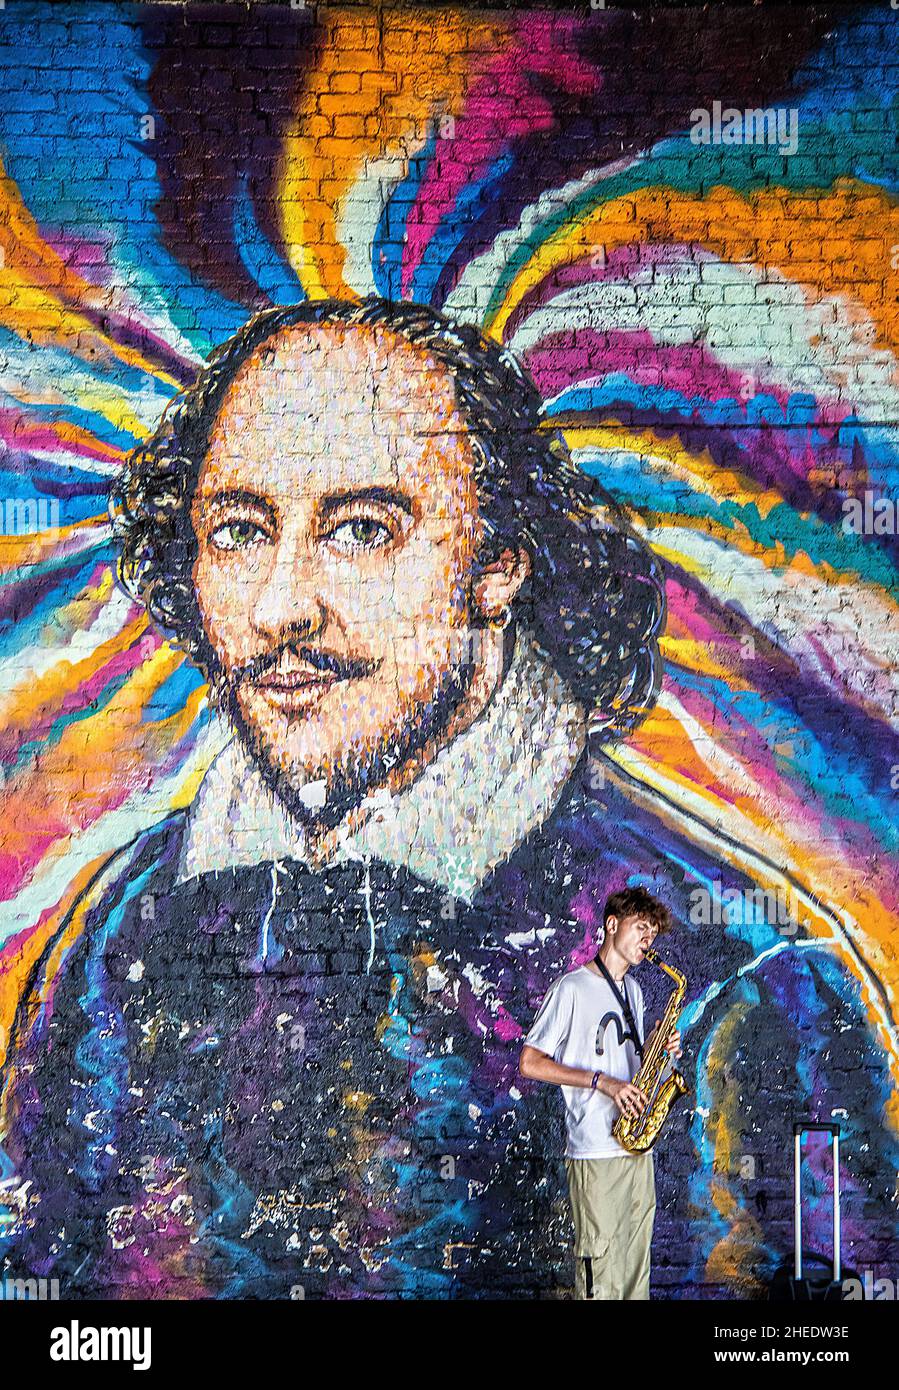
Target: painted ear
(498, 584)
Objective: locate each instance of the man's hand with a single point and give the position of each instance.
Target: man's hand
(672, 1046)
(628, 1097)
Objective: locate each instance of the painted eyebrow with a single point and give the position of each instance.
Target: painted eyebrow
(332, 502)
(239, 496)
(389, 496)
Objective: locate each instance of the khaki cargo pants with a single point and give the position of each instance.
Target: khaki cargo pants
(613, 1203)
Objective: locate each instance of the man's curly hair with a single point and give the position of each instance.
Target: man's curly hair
(638, 902)
(595, 599)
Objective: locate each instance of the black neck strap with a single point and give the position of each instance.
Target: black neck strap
(623, 1001)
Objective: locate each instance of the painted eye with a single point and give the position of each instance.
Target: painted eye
(360, 533)
(237, 535)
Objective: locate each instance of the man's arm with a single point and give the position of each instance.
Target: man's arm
(537, 1066)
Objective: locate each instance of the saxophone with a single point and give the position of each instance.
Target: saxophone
(637, 1134)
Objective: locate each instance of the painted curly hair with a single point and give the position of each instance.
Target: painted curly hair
(595, 600)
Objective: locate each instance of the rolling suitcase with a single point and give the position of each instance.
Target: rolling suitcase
(810, 1277)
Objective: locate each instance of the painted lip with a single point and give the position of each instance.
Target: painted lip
(296, 678)
(297, 687)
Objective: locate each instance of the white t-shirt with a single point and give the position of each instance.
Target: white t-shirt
(580, 1025)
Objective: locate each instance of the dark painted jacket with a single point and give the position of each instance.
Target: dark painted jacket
(269, 1081)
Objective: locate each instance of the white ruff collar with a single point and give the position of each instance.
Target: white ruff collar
(466, 812)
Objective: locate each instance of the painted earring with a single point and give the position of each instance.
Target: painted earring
(498, 622)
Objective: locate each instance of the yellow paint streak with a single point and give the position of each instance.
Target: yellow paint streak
(736, 539)
(698, 657)
(69, 786)
(19, 551)
(41, 298)
(37, 697)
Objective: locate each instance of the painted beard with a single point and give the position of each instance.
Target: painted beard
(360, 771)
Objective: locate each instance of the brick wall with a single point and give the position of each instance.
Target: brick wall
(682, 223)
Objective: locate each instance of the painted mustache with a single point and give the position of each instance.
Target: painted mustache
(290, 665)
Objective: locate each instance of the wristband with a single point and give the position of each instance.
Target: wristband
(595, 1082)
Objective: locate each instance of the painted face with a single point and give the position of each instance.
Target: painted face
(633, 935)
(337, 521)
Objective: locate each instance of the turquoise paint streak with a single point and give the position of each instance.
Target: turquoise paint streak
(627, 478)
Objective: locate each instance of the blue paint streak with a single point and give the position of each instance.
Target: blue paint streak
(68, 183)
(452, 228)
(389, 237)
(267, 267)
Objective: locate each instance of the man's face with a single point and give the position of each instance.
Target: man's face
(632, 937)
(337, 521)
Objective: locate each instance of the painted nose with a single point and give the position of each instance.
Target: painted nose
(289, 598)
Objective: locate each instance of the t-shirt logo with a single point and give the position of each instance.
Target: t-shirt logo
(612, 1017)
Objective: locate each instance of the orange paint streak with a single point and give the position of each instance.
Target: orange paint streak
(93, 766)
(759, 229)
(42, 299)
(70, 436)
(21, 955)
(18, 551)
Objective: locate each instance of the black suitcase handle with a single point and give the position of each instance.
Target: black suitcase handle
(799, 1128)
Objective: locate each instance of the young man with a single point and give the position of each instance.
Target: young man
(588, 1039)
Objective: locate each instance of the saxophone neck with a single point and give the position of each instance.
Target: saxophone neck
(652, 956)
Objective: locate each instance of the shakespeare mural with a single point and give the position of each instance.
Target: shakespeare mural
(450, 502)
